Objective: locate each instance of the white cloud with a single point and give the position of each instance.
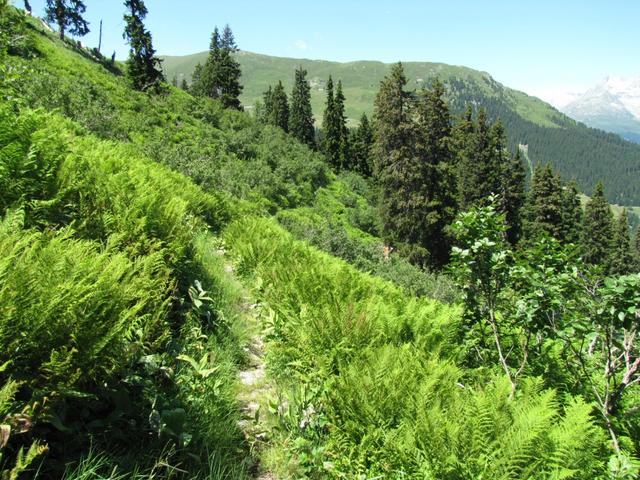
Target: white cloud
(301, 45)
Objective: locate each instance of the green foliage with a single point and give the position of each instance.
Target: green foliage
(343, 223)
(276, 107)
(300, 114)
(414, 170)
(335, 143)
(597, 230)
(544, 212)
(375, 398)
(67, 14)
(622, 260)
(362, 148)
(142, 66)
(219, 77)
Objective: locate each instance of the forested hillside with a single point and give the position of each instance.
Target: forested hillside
(191, 291)
(578, 152)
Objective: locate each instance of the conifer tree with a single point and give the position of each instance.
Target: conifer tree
(143, 67)
(597, 230)
(27, 6)
(513, 196)
(275, 110)
(571, 213)
(335, 143)
(361, 147)
(300, 114)
(482, 160)
(396, 168)
(219, 77)
(543, 210)
(438, 181)
(67, 14)
(637, 249)
(331, 132)
(341, 124)
(174, 81)
(622, 258)
(184, 85)
(229, 71)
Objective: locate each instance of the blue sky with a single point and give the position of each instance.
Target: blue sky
(543, 47)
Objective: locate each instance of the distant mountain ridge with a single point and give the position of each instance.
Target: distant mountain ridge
(612, 105)
(577, 151)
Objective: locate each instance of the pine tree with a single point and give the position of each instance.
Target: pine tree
(438, 180)
(341, 124)
(397, 171)
(361, 147)
(184, 85)
(143, 67)
(275, 110)
(571, 213)
(229, 71)
(300, 114)
(543, 210)
(637, 249)
(219, 77)
(597, 230)
(622, 258)
(513, 196)
(335, 141)
(67, 14)
(481, 162)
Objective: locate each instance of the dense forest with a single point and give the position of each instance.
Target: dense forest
(188, 290)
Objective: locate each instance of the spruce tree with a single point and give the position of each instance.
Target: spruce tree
(300, 114)
(361, 147)
(143, 67)
(397, 171)
(597, 230)
(330, 129)
(229, 71)
(67, 14)
(341, 124)
(513, 196)
(335, 143)
(174, 81)
(275, 110)
(219, 77)
(622, 258)
(637, 249)
(543, 210)
(184, 85)
(437, 187)
(481, 162)
(571, 214)
(27, 7)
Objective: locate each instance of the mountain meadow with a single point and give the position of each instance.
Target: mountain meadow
(359, 277)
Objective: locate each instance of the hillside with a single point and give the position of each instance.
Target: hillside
(189, 294)
(579, 152)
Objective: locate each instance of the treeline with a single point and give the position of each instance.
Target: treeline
(576, 150)
(430, 165)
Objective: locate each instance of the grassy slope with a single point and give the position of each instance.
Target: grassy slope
(577, 151)
(360, 80)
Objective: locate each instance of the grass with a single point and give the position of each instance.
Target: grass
(360, 80)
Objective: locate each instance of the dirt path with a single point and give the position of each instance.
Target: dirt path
(254, 389)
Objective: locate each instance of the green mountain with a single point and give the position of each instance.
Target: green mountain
(579, 152)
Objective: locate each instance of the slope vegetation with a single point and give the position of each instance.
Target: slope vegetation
(579, 152)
